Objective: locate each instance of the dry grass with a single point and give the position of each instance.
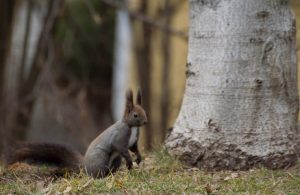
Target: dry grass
(158, 174)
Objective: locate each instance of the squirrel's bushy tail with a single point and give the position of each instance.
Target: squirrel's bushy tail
(44, 153)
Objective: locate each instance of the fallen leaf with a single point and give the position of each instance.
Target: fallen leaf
(119, 183)
(208, 188)
(39, 186)
(193, 169)
(232, 176)
(110, 184)
(67, 190)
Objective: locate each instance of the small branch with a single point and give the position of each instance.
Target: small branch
(293, 177)
(146, 19)
(94, 15)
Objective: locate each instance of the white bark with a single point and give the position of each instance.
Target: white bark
(28, 18)
(121, 63)
(240, 106)
(14, 59)
(38, 14)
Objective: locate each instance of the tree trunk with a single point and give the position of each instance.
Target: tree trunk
(21, 72)
(144, 62)
(240, 105)
(122, 49)
(166, 48)
(6, 17)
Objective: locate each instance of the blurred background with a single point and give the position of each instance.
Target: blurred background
(65, 66)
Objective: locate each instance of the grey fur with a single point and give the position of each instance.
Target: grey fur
(100, 155)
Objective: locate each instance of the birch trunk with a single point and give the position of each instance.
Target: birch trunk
(240, 105)
(32, 24)
(122, 48)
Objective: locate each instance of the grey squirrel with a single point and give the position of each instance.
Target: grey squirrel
(104, 153)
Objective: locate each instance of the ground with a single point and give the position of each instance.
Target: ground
(159, 173)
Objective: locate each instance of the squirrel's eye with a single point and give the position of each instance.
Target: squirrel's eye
(135, 115)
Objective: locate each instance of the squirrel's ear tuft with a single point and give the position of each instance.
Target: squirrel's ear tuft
(139, 97)
(129, 101)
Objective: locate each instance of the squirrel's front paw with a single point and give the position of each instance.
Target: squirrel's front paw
(129, 165)
(138, 160)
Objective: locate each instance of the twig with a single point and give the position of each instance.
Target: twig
(293, 177)
(146, 19)
(94, 15)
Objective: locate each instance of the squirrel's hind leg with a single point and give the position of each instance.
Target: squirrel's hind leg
(114, 166)
(116, 163)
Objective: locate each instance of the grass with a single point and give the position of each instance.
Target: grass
(159, 173)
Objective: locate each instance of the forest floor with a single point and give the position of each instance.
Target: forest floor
(157, 174)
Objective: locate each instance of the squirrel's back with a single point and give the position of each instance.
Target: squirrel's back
(44, 153)
(105, 139)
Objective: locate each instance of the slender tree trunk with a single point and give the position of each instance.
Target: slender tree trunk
(6, 17)
(122, 49)
(19, 88)
(240, 105)
(143, 53)
(166, 47)
(6, 13)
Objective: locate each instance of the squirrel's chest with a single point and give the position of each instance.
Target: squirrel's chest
(134, 136)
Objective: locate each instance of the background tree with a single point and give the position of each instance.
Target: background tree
(240, 105)
(28, 44)
(57, 70)
(6, 15)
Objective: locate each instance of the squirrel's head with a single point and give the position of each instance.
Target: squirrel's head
(134, 114)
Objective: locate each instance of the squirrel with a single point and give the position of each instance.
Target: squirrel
(104, 154)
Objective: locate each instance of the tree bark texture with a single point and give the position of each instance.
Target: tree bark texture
(240, 105)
